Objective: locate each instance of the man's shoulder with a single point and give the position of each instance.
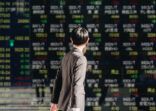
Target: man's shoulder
(79, 56)
(76, 56)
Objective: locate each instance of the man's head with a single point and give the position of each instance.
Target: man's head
(80, 37)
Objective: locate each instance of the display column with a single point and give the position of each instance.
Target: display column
(39, 35)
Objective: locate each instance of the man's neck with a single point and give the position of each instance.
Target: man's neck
(79, 47)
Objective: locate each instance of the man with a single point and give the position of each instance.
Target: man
(69, 93)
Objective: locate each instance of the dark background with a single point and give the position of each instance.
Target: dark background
(34, 36)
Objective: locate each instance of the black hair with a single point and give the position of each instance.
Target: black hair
(79, 35)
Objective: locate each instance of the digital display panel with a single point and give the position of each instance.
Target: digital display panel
(121, 71)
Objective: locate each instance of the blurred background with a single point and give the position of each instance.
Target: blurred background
(34, 36)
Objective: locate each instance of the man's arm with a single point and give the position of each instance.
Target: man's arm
(78, 81)
(57, 86)
(56, 90)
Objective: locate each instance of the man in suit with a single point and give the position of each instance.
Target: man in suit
(69, 93)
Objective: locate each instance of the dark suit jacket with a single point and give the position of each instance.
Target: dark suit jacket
(69, 83)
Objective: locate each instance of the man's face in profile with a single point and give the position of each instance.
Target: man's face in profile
(85, 48)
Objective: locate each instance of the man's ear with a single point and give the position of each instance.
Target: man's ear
(71, 40)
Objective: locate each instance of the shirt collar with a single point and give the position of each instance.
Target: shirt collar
(77, 50)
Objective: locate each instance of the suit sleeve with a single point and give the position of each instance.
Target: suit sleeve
(57, 86)
(78, 80)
